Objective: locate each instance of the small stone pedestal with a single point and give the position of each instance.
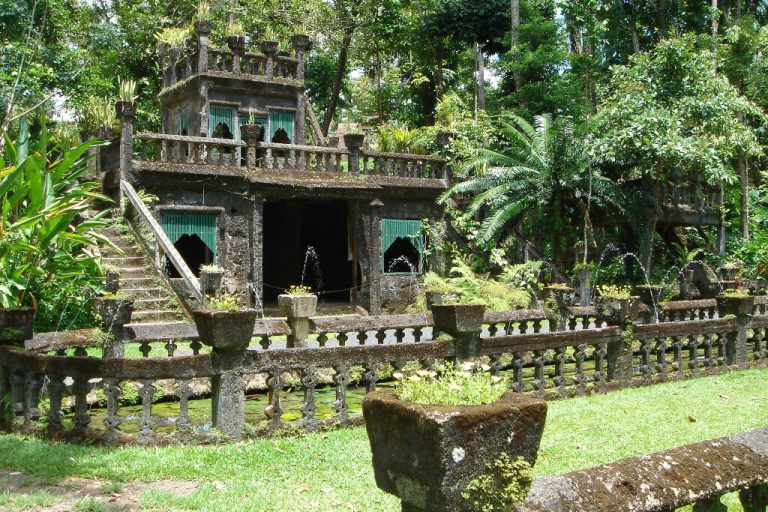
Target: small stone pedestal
(563, 297)
(620, 311)
(298, 309)
(229, 333)
(736, 342)
(115, 313)
(462, 321)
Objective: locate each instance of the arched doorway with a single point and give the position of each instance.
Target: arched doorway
(194, 252)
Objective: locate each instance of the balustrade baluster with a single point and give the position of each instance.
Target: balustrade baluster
(342, 337)
(495, 364)
(417, 334)
(573, 323)
(693, 354)
(274, 410)
(147, 393)
(661, 357)
(163, 151)
(184, 427)
(709, 342)
(269, 161)
(370, 376)
(322, 338)
(112, 422)
(265, 341)
(309, 407)
(145, 348)
(196, 346)
(56, 389)
(539, 360)
(34, 394)
(170, 347)
(598, 377)
(399, 335)
(579, 378)
(757, 350)
(720, 340)
(362, 337)
(292, 159)
(492, 330)
(381, 335)
(341, 380)
(678, 345)
(559, 378)
(645, 358)
(80, 388)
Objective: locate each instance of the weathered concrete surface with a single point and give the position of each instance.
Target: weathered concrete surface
(659, 482)
(427, 454)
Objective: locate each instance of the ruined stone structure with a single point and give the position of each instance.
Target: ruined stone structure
(245, 180)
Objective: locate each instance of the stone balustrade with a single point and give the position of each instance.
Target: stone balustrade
(162, 151)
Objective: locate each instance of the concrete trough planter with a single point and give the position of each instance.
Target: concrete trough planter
(426, 455)
(297, 306)
(456, 319)
(113, 310)
(16, 325)
(562, 295)
(735, 305)
(227, 329)
(617, 310)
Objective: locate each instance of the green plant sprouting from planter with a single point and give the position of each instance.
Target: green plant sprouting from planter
(235, 29)
(451, 384)
(126, 89)
(213, 269)
(203, 10)
(44, 261)
(224, 303)
(614, 291)
(299, 290)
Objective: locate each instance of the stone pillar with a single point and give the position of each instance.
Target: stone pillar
(297, 310)
(163, 54)
(269, 49)
(203, 108)
(251, 133)
(203, 30)
(354, 143)
(300, 137)
(237, 46)
(126, 112)
(375, 257)
(710, 505)
(300, 46)
(754, 499)
(736, 342)
(6, 417)
(257, 251)
(228, 391)
(622, 312)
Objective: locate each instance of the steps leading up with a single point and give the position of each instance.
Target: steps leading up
(153, 304)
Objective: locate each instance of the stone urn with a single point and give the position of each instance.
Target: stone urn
(354, 140)
(729, 272)
(300, 41)
(617, 310)
(737, 305)
(210, 281)
(16, 325)
(203, 27)
(225, 329)
(458, 319)
(269, 47)
(297, 306)
(562, 295)
(426, 455)
(125, 108)
(251, 131)
(236, 43)
(114, 311)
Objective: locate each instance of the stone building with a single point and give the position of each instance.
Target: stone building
(246, 180)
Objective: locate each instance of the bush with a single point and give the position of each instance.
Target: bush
(451, 384)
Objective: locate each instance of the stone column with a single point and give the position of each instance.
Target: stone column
(203, 30)
(354, 143)
(257, 250)
(269, 48)
(754, 499)
(736, 342)
(6, 417)
(228, 391)
(375, 256)
(204, 108)
(622, 312)
(300, 46)
(301, 120)
(126, 112)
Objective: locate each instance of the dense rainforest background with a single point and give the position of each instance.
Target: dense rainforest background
(566, 117)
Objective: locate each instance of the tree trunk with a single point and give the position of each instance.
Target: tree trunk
(514, 38)
(480, 77)
(715, 18)
(341, 71)
(662, 18)
(635, 36)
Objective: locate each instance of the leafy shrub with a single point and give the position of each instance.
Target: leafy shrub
(224, 303)
(451, 384)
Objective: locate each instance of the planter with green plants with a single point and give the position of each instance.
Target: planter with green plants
(453, 439)
(115, 309)
(235, 37)
(298, 302)
(736, 302)
(224, 323)
(211, 277)
(730, 271)
(111, 278)
(615, 305)
(202, 18)
(269, 43)
(251, 130)
(126, 104)
(456, 317)
(562, 294)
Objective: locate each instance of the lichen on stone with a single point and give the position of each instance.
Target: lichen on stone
(502, 484)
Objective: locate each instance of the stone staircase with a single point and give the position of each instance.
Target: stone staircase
(153, 302)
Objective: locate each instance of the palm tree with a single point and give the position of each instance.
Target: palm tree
(537, 170)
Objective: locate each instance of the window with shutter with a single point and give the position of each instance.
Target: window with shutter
(402, 247)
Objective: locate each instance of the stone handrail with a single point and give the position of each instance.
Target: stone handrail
(159, 148)
(274, 156)
(698, 474)
(402, 165)
(163, 242)
(697, 195)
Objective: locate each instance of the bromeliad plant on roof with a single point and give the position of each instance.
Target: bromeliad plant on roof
(45, 259)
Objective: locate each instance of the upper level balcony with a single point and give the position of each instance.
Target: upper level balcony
(197, 57)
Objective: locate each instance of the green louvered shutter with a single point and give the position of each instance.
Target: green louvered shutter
(392, 229)
(184, 122)
(226, 115)
(179, 224)
(280, 120)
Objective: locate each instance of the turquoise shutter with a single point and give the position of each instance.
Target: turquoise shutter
(226, 115)
(184, 122)
(280, 120)
(392, 229)
(179, 224)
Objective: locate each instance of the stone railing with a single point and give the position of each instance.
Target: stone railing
(273, 156)
(546, 364)
(697, 474)
(162, 150)
(402, 165)
(698, 196)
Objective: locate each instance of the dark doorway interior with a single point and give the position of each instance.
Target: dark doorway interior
(195, 254)
(401, 257)
(289, 230)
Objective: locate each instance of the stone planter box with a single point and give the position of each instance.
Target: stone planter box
(113, 311)
(617, 310)
(269, 47)
(236, 43)
(16, 325)
(427, 454)
(458, 318)
(297, 306)
(728, 273)
(562, 295)
(210, 282)
(649, 295)
(251, 131)
(738, 306)
(112, 281)
(229, 329)
(437, 299)
(300, 41)
(354, 140)
(125, 108)
(203, 27)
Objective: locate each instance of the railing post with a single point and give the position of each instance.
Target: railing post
(203, 30)
(300, 46)
(228, 391)
(298, 309)
(251, 134)
(375, 257)
(6, 417)
(126, 111)
(354, 143)
(754, 499)
(622, 312)
(736, 342)
(237, 46)
(269, 49)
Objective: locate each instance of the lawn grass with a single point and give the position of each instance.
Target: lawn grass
(331, 471)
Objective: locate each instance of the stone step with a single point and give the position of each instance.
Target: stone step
(132, 272)
(131, 283)
(155, 316)
(123, 252)
(153, 303)
(123, 262)
(146, 293)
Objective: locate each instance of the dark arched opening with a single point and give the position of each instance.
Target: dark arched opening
(194, 252)
(223, 131)
(281, 137)
(402, 257)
